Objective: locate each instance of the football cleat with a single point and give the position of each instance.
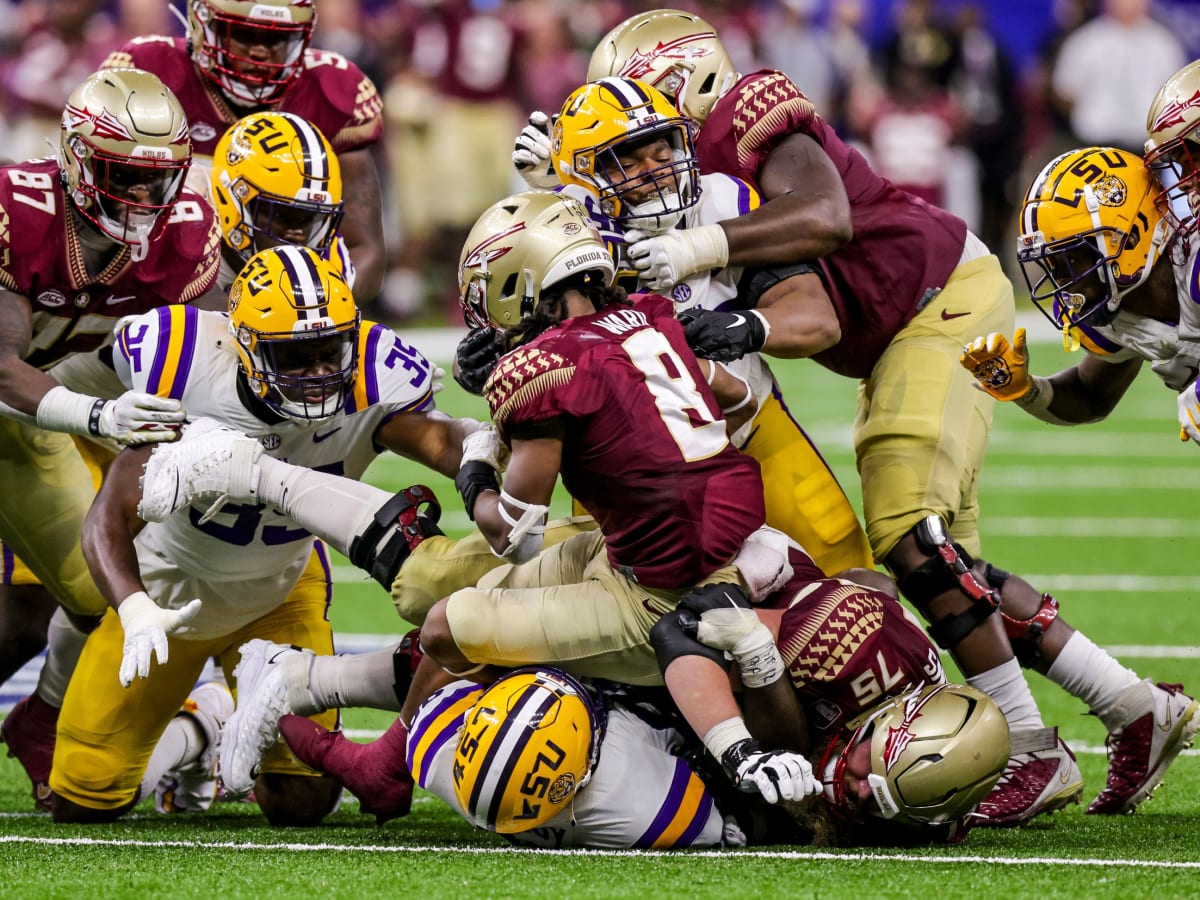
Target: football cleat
(376, 773)
(193, 787)
(209, 462)
(1140, 752)
(30, 730)
(1041, 777)
(254, 726)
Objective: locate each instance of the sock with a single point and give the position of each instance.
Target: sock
(1006, 685)
(64, 643)
(1085, 671)
(356, 679)
(180, 744)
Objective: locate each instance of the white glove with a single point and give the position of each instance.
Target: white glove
(775, 774)
(1189, 412)
(485, 446)
(763, 562)
(146, 627)
(663, 260)
(532, 154)
(439, 375)
(137, 418)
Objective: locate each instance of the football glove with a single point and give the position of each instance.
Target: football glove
(725, 621)
(476, 356)
(485, 446)
(663, 260)
(531, 153)
(133, 418)
(1000, 369)
(1189, 412)
(775, 774)
(146, 627)
(724, 336)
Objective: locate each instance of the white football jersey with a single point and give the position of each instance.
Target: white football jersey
(641, 793)
(1172, 349)
(244, 562)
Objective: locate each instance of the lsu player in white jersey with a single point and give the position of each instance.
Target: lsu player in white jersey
(1106, 268)
(621, 148)
(292, 366)
(276, 180)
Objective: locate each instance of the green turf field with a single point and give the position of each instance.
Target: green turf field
(1101, 516)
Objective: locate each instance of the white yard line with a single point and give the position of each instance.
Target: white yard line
(294, 847)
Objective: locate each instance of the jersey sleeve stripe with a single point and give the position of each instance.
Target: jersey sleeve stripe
(1095, 342)
(7, 559)
(366, 386)
(683, 814)
(434, 728)
(173, 356)
(747, 199)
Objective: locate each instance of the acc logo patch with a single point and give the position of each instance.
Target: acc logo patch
(202, 131)
(1110, 191)
(52, 298)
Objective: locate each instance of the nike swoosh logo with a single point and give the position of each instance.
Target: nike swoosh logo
(113, 301)
(738, 321)
(947, 316)
(317, 438)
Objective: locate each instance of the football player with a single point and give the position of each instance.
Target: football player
(276, 180)
(904, 285)
(533, 261)
(293, 366)
(1095, 250)
(248, 56)
(107, 229)
(621, 146)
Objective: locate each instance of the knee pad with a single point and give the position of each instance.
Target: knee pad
(1025, 635)
(673, 636)
(949, 567)
(396, 529)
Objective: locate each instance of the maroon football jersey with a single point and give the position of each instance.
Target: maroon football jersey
(41, 259)
(847, 646)
(331, 92)
(903, 249)
(645, 451)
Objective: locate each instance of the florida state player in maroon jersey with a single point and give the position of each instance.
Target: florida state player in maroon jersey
(241, 57)
(104, 231)
(903, 284)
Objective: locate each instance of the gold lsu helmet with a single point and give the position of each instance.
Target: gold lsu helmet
(675, 51)
(295, 327)
(935, 753)
(125, 152)
(276, 179)
(521, 246)
(604, 121)
(1173, 146)
(222, 34)
(527, 746)
(1090, 232)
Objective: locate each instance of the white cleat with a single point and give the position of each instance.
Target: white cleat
(192, 788)
(209, 462)
(262, 699)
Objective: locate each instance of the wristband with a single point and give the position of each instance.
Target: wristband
(473, 479)
(724, 735)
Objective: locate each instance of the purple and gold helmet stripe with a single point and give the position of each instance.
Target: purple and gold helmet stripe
(316, 164)
(628, 93)
(308, 292)
(683, 814)
(508, 745)
(175, 351)
(433, 729)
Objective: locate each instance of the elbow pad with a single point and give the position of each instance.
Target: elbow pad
(524, 533)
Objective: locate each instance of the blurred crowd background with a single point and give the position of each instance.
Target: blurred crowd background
(959, 101)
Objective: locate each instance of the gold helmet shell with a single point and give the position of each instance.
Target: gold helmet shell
(670, 49)
(521, 246)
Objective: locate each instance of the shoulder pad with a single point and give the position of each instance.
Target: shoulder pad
(522, 376)
(390, 371)
(766, 107)
(154, 351)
